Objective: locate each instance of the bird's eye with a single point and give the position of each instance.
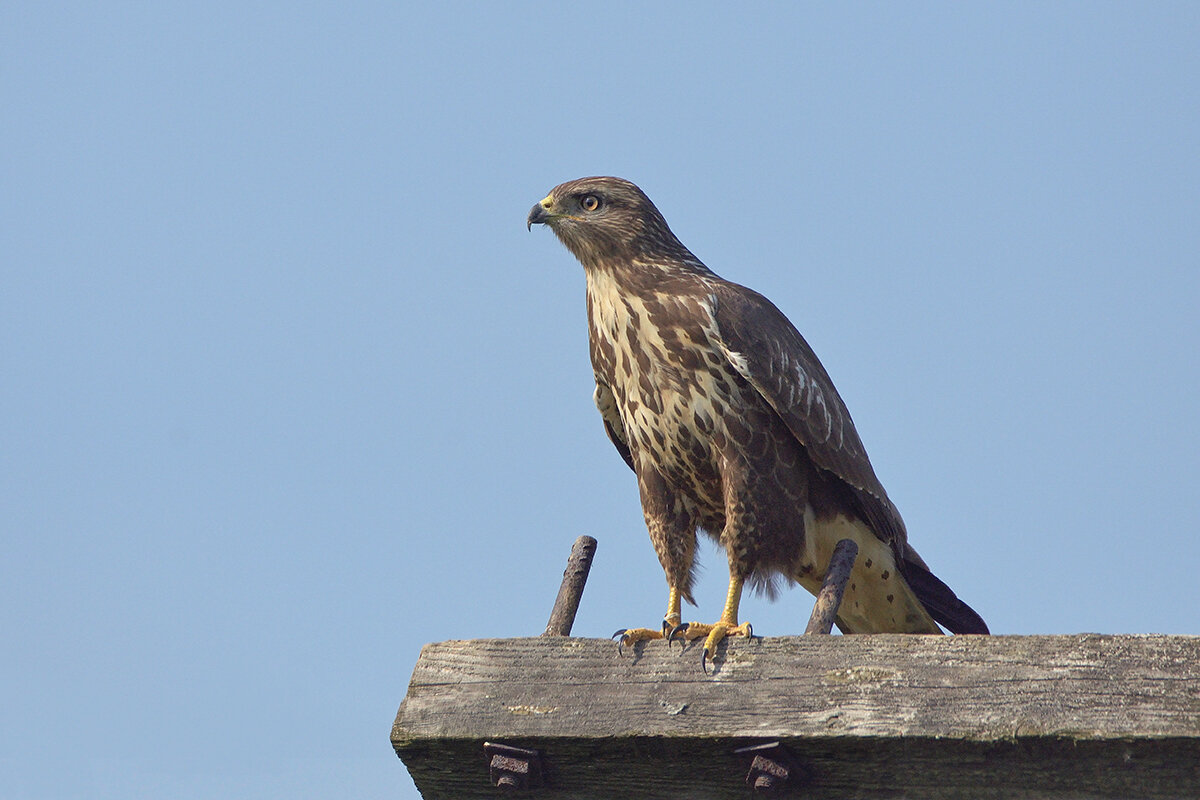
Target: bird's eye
(589, 202)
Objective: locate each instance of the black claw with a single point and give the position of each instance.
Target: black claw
(704, 661)
(621, 632)
(749, 631)
(680, 628)
(620, 641)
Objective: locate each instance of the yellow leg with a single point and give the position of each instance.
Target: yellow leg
(628, 636)
(727, 626)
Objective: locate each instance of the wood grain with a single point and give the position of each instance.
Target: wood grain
(865, 716)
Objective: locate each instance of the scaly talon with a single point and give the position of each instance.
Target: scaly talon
(630, 636)
(670, 624)
(713, 635)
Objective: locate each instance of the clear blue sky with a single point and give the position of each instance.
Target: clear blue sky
(287, 390)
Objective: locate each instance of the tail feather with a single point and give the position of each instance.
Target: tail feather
(941, 602)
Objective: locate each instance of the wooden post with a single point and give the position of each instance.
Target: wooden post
(818, 716)
(579, 563)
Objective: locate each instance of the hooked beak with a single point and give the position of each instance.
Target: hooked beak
(540, 213)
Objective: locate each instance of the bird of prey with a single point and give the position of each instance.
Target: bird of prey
(733, 428)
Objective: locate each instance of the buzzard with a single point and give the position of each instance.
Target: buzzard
(732, 427)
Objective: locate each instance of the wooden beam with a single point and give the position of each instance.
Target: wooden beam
(861, 716)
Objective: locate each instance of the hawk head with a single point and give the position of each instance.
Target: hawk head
(606, 219)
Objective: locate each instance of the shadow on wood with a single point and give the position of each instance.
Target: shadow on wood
(863, 716)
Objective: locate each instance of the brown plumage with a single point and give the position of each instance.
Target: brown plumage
(732, 426)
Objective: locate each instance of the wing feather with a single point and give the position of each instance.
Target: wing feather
(766, 349)
(606, 403)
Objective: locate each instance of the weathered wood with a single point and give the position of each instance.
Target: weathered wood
(864, 716)
(579, 563)
(829, 599)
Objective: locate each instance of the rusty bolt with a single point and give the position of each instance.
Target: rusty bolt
(771, 767)
(512, 772)
(766, 774)
(513, 767)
